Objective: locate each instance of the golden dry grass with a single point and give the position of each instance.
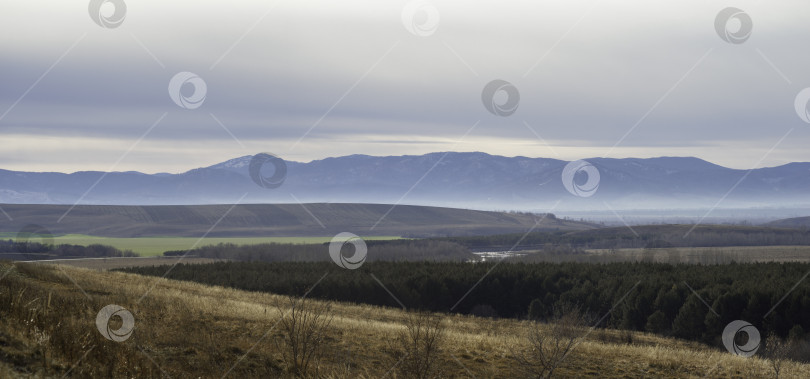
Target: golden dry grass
(191, 330)
(124, 262)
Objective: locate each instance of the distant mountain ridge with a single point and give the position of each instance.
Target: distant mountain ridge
(467, 180)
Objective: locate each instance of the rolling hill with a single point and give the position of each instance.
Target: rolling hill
(48, 330)
(247, 220)
(795, 222)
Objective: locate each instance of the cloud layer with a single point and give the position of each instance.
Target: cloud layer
(311, 79)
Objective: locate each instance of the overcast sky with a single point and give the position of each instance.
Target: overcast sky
(312, 79)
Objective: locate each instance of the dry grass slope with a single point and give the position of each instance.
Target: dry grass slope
(47, 329)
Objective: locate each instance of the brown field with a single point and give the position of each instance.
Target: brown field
(687, 255)
(188, 330)
(123, 262)
(716, 254)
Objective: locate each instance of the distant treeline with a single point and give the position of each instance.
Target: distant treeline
(650, 236)
(13, 250)
(637, 296)
(393, 250)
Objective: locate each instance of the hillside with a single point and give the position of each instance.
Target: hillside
(795, 222)
(268, 220)
(184, 329)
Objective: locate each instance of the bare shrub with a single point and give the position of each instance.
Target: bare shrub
(550, 343)
(776, 350)
(304, 326)
(418, 346)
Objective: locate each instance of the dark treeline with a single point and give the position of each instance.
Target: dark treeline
(649, 236)
(394, 250)
(656, 297)
(13, 250)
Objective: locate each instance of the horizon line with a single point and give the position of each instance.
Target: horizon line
(403, 155)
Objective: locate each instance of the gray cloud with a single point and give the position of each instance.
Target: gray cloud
(270, 83)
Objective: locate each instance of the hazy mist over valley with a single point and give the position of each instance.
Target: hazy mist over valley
(666, 189)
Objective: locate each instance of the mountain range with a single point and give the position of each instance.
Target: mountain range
(453, 179)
